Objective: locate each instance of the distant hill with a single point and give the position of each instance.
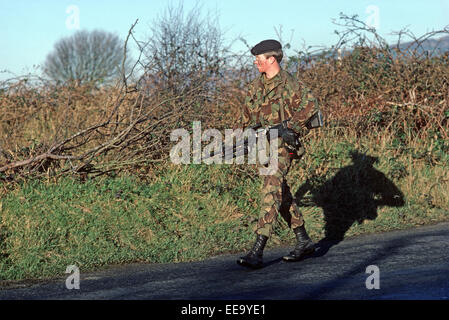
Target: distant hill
(435, 46)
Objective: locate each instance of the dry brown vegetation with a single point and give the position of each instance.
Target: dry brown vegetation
(86, 130)
(83, 128)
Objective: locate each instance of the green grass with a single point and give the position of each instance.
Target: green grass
(190, 212)
(186, 214)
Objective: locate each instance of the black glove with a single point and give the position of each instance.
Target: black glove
(290, 137)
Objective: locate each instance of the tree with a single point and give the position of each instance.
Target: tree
(94, 56)
(185, 51)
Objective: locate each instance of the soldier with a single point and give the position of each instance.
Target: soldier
(272, 97)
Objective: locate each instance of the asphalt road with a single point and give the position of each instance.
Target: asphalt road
(412, 264)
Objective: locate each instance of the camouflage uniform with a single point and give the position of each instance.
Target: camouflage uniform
(263, 104)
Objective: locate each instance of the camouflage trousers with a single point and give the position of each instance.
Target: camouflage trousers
(276, 198)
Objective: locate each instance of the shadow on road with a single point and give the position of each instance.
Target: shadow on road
(354, 194)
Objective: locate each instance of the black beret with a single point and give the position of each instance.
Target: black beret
(266, 46)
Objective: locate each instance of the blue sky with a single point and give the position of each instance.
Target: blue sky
(29, 28)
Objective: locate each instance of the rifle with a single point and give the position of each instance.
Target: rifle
(290, 137)
(315, 121)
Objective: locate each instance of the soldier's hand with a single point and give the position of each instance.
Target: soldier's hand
(290, 137)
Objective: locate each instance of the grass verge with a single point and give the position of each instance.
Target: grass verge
(185, 213)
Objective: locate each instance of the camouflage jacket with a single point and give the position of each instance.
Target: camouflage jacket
(266, 96)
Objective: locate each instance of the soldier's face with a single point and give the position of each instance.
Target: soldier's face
(262, 63)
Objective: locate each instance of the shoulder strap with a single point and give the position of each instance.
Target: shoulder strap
(282, 100)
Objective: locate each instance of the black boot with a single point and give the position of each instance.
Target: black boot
(304, 245)
(254, 257)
